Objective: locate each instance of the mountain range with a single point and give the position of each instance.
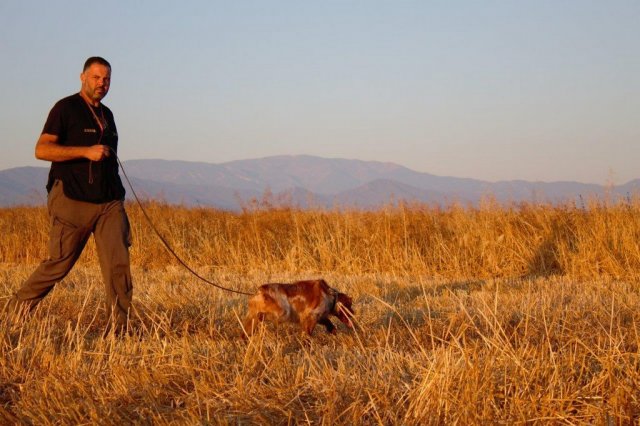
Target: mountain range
(305, 181)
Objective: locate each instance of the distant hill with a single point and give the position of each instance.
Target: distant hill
(23, 186)
(304, 181)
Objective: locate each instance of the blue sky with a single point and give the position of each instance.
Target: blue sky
(493, 90)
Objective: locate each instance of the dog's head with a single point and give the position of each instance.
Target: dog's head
(344, 309)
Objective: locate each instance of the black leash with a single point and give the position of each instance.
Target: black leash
(164, 241)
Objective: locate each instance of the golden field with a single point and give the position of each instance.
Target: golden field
(465, 315)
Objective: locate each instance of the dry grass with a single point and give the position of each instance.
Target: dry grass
(598, 240)
(471, 316)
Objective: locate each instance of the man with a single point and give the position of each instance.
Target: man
(85, 194)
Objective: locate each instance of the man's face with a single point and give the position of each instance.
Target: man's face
(95, 81)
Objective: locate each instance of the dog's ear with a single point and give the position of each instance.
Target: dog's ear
(346, 301)
(344, 309)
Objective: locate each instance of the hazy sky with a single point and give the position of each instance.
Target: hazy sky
(494, 90)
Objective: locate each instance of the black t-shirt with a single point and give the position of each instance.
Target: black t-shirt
(94, 181)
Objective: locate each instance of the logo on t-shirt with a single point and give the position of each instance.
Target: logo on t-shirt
(90, 131)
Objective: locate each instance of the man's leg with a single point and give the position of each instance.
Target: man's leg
(113, 238)
(70, 230)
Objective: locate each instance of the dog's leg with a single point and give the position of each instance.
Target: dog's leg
(328, 325)
(248, 324)
(251, 321)
(308, 323)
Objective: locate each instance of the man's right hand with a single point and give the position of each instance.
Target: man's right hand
(97, 152)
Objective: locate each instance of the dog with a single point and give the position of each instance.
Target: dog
(307, 303)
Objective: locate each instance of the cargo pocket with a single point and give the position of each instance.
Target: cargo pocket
(127, 231)
(126, 226)
(61, 233)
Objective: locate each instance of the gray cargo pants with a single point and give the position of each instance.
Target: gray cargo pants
(72, 223)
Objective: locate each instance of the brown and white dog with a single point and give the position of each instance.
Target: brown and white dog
(305, 302)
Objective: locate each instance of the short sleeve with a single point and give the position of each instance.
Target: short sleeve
(55, 123)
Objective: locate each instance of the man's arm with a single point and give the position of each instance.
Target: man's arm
(48, 149)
